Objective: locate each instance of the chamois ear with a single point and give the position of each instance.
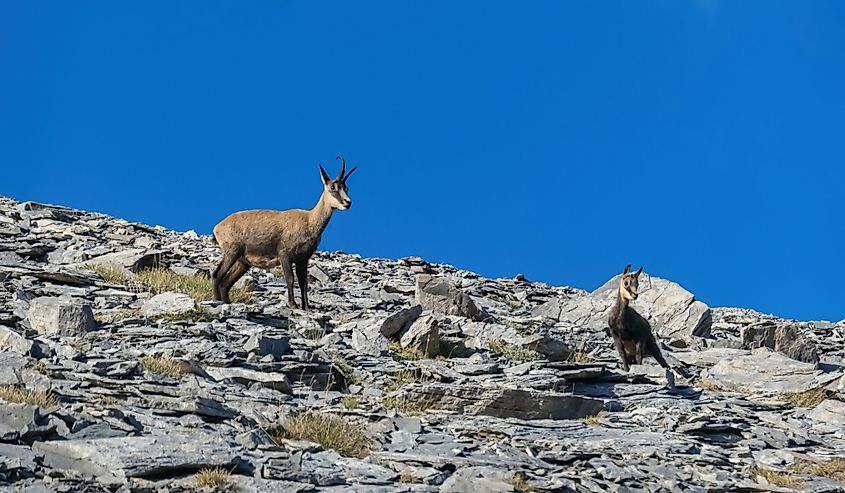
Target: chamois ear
(639, 271)
(627, 270)
(324, 176)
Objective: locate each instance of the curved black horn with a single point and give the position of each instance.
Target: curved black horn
(349, 174)
(342, 167)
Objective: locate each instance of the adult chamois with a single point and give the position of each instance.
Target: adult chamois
(267, 238)
(631, 332)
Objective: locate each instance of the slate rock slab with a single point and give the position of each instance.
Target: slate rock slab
(111, 460)
(786, 339)
(766, 372)
(61, 316)
(502, 402)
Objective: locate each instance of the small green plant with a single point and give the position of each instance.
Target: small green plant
(197, 314)
(350, 402)
(163, 365)
(10, 393)
(410, 354)
(343, 367)
(338, 433)
(776, 478)
(213, 477)
(513, 352)
(807, 398)
(833, 468)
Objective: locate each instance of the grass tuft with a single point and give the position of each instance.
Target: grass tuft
(513, 352)
(212, 477)
(163, 365)
(350, 402)
(197, 314)
(405, 353)
(833, 468)
(197, 286)
(10, 393)
(705, 384)
(807, 398)
(593, 420)
(111, 273)
(579, 357)
(406, 405)
(520, 483)
(777, 478)
(338, 433)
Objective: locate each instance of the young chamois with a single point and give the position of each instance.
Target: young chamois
(266, 238)
(631, 332)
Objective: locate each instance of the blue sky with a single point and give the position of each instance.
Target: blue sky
(561, 140)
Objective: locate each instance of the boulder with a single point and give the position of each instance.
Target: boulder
(400, 321)
(60, 316)
(423, 335)
(367, 339)
(673, 312)
(441, 295)
(12, 341)
(167, 303)
(787, 339)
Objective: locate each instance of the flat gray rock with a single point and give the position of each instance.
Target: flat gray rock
(112, 460)
(167, 303)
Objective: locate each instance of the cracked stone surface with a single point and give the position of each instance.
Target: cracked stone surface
(509, 385)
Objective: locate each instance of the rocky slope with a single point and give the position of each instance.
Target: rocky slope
(115, 375)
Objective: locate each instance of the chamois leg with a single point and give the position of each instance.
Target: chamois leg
(219, 273)
(654, 349)
(236, 272)
(302, 277)
(621, 349)
(287, 269)
(640, 355)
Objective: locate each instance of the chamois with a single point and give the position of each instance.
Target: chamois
(631, 332)
(267, 238)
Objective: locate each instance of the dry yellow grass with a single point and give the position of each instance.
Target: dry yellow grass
(164, 366)
(403, 352)
(705, 384)
(213, 477)
(777, 478)
(579, 357)
(407, 476)
(833, 468)
(808, 398)
(10, 393)
(407, 405)
(110, 273)
(338, 433)
(157, 281)
(513, 352)
(592, 420)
